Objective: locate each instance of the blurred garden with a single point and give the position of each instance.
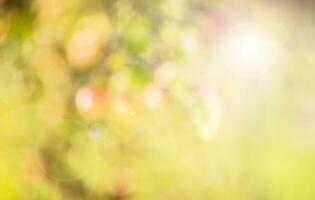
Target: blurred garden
(157, 100)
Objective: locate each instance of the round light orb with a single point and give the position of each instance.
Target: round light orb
(84, 99)
(250, 51)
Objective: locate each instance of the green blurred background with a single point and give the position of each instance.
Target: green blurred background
(157, 99)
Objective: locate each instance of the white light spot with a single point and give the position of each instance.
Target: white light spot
(251, 51)
(95, 134)
(153, 96)
(165, 73)
(84, 99)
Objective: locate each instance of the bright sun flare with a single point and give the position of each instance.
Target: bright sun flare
(250, 50)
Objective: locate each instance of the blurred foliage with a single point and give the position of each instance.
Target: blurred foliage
(138, 99)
